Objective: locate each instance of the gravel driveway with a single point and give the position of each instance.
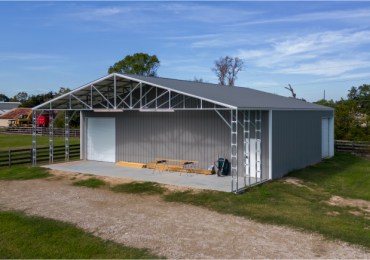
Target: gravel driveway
(173, 230)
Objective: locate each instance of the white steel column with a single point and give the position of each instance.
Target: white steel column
(247, 147)
(270, 144)
(51, 136)
(258, 134)
(34, 139)
(234, 150)
(66, 136)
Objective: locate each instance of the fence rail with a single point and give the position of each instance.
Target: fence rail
(24, 156)
(43, 131)
(352, 146)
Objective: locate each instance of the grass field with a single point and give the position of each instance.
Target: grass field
(22, 172)
(304, 207)
(15, 141)
(90, 183)
(27, 237)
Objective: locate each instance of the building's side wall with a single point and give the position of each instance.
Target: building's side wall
(296, 140)
(190, 135)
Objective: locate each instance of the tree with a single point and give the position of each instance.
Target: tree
(62, 91)
(292, 91)
(226, 69)
(352, 114)
(139, 64)
(35, 100)
(21, 96)
(4, 98)
(200, 80)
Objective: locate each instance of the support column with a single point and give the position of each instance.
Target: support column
(34, 139)
(258, 137)
(51, 136)
(66, 136)
(234, 150)
(247, 147)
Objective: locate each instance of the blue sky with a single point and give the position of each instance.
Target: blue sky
(314, 46)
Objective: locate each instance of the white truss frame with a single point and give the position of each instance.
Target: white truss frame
(123, 93)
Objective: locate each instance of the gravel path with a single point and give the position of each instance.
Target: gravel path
(173, 230)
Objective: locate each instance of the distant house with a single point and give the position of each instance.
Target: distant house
(6, 106)
(13, 115)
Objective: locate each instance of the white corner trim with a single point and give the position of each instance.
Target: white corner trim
(270, 144)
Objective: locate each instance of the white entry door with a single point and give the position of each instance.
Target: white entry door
(255, 160)
(325, 137)
(101, 139)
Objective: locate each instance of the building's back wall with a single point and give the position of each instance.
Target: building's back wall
(187, 135)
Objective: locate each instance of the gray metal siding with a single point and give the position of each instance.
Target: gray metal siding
(296, 140)
(191, 135)
(188, 135)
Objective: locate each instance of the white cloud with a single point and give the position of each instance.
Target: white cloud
(327, 53)
(315, 16)
(326, 67)
(17, 56)
(100, 13)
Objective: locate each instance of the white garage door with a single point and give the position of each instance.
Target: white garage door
(101, 139)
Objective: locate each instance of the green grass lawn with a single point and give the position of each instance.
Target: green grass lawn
(16, 141)
(24, 236)
(90, 183)
(147, 188)
(278, 202)
(22, 172)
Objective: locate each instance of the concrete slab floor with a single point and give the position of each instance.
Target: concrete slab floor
(199, 181)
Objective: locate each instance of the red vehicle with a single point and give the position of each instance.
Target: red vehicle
(42, 121)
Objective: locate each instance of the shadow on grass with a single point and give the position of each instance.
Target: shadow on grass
(149, 188)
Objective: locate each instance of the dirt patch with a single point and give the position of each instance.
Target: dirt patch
(173, 230)
(69, 177)
(296, 182)
(362, 205)
(333, 213)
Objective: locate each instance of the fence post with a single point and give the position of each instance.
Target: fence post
(10, 157)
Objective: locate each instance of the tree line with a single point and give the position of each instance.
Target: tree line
(352, 114)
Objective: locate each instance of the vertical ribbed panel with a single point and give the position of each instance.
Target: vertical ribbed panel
(296, 140)
(189, 135)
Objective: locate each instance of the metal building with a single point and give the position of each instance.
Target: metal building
(137, 119)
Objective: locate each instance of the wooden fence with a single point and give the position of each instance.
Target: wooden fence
(43, 131)
(352, 146)
(24, 156)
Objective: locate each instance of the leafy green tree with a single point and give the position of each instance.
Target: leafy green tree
(352, 115)
(21, 96)
(4, 98)
(35, 100)
(62, 91)
(139, 64)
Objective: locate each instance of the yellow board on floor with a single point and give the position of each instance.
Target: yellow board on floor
(131, 164)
